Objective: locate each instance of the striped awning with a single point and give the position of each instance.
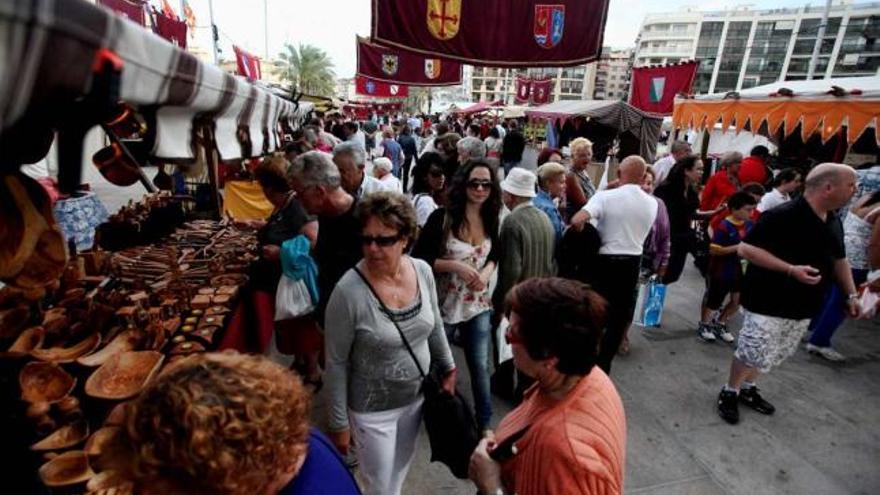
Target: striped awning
(46, 61)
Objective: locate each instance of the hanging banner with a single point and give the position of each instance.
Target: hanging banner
(248, 65)
(494, 33)
(372, 87)
(401, 67)
(654, 88)
(133, 9)
(171, 29)
(523, 86)
(541, 90)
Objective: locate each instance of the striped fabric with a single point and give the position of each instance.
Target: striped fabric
(46, 58)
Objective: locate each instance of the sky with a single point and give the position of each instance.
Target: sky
(333, 24)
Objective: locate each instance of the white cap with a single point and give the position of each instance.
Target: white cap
(383, 164)
(519, 182)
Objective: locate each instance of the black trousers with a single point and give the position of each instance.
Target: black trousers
(407, 164)
(615, 278)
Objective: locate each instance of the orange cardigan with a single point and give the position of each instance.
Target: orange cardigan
(573, 446)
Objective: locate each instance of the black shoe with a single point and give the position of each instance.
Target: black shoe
(751, 398)
(728, 407)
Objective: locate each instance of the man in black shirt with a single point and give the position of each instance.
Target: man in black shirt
(317, 183)
(794, 252)
(512, 147)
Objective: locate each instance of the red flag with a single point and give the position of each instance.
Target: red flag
(171, 29)
(371, 87)
(654, 88)
(133, 9)
(167, 10)
(523, 87)
(541, 89)
(402, 67)
(494, 33)
(247, 65)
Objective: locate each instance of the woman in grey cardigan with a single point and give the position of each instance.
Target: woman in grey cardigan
(372, 380)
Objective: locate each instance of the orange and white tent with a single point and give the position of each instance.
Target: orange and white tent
(819, 106)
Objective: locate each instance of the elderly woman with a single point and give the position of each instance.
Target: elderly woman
(470, 149)
(225, 424)
(570, 430)
(383, 172)
(373, 383)
(288, 220)
(549, 155)
(551, 192)
(578, 185)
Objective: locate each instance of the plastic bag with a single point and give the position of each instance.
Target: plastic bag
(505, 350)
(292, 299)
(649, 304)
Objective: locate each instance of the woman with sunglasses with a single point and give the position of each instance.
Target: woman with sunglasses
(428, 183)
(570, 431)
(373, 383)
(461, 243)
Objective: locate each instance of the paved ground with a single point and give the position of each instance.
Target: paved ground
(824, 438)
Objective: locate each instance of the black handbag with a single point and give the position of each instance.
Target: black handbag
(452, 429)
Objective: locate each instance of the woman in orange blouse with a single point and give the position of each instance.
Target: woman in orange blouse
(569, 434)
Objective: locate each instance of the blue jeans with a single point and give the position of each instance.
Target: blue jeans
(833, 313)
(476, 336)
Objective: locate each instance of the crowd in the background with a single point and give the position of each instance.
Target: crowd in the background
(428, 235)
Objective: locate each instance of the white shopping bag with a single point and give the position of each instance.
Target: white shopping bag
(292, 299)
(505, 350)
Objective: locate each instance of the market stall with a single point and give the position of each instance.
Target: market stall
(82, 331)
(603, 122)
(822, 115)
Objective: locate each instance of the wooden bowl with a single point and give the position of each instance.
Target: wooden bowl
(55, 320)
(205, 334)
(125, 341)
(217, 310)
(64, 437)
(69, 468)
(44, 382)
(30, 339)
(96, 443)
(229, 279)
(13, 321)
(124, 374)
(69, 354)
(186, 348)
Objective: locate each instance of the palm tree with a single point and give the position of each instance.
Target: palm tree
(309, 69)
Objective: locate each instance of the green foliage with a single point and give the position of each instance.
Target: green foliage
(308, 68)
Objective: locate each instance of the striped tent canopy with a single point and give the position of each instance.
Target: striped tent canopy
(47, 56)
(819, 106)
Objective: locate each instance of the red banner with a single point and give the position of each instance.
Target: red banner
(541, 90)
(654, 88)
(133, 9)
(171, 29)
(496, 33)
(371, 87)
(523, 86)
(248, 65)
(401, 67)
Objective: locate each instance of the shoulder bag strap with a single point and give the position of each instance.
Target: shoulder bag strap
(391, 317)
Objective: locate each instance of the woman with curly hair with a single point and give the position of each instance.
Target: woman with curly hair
(225, 424)
(461, 243)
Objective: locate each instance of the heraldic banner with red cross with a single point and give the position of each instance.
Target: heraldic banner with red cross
(401, 67)
(495, 33)
(523, 86)
(371, 87)
(654, 88)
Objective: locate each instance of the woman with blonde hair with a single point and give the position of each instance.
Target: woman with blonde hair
(579, 187)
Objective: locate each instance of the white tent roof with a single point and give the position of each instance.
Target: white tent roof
(816, 88)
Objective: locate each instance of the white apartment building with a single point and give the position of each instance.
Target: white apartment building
(497, 84)
(742, 48)
(612, 74)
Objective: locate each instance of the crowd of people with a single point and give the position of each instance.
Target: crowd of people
(430, 235)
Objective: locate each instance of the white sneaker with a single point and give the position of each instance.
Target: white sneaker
(706, 333)
(723, 333)
(826, 352)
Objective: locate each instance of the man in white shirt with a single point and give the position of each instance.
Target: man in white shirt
(350, 159)
(623, 216)
(353, 133)
(677, 151)
(382, 168)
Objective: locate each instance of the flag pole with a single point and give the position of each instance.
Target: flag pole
(266, 28)
(213, 33)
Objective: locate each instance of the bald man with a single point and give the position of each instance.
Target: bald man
(795, 252)
(623, 216)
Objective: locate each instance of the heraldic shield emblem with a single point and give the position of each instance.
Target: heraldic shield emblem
(444, 18)
(389, 64)
(432, 68)
(549, 24)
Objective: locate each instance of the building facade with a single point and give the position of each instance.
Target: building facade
(613, 74)
(742, 48)
(497, 84)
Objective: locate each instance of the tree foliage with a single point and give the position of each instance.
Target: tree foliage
(308, 68)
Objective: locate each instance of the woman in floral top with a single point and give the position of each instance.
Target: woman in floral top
(461, 243)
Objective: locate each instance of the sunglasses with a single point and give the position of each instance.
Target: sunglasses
(381, 241)
(511, 337)
(479, 184)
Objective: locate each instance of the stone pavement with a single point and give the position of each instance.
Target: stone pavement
(823, 439)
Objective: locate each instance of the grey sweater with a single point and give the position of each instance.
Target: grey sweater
(368, 367)
(527, 246)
